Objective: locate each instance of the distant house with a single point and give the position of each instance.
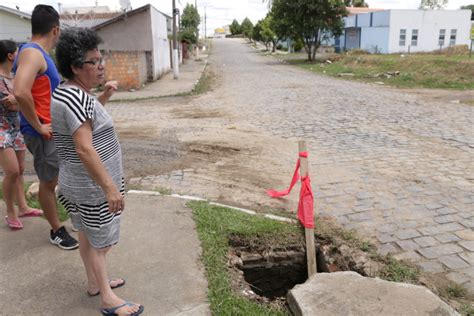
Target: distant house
(404, 31)
(80, 17)
(136, 46)
(15, 25)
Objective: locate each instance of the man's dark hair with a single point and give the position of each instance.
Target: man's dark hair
(6, 47)
(43, 19)
(72, 47)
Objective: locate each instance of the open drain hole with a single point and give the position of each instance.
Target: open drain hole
(267, 273)
(273, 274)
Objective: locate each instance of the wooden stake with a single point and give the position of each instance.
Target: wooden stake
(309, 232)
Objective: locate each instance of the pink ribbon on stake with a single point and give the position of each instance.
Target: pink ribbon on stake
(306, 202)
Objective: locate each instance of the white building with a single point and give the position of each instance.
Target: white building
(14, 25)
(403, 31)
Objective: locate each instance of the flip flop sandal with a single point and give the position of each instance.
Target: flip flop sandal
(111, 311)
(14, 224)
(34, 212)
(112, 287)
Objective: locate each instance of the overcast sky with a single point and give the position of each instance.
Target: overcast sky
(218, 12)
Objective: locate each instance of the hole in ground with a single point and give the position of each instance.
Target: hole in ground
(266, 271)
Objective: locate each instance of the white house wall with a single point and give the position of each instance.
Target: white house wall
(161, 51)
(375, 39)
(14, 27)
(428, 23)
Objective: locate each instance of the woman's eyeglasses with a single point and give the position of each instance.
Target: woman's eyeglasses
(95, 62)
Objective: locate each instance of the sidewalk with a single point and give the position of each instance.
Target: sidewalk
(189, 74)
(158, 255)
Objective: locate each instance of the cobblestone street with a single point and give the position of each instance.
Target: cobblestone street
(393, 166)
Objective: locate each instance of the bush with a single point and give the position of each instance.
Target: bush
(299, 44)
(279, 46)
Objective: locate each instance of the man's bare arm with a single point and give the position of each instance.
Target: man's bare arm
(30, 63)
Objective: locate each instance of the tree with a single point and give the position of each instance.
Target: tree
(310, 20)
(356, 3)
(432, 4)
(268, 35)
(247, 27)
(235, 28)
(256, 32)
(190, 21)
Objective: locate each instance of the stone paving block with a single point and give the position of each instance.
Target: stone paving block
(361, 217)
(429, 230)
(426, 241)
(465, 214)
(446, 237)
(408, 224)
(446, 219)
(385, 238)
(407, 245)
(469, 244)
(469, 257)
(362, 208)
(385, 249)
(469, 223)
(450, 227)
(446, 210)
(433, 206)
(409, 256)
(431, 266)
(407, 234)
(469, 286)
(453, 262)
(457, 277)
(467, 234)
(468, 271)
(387, 228)
(364, 195)
(440, 250)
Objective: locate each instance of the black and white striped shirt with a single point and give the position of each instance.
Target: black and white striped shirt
(70, 108)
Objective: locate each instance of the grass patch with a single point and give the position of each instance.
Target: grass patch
(455, 291)
(214, 225)
(441, 71)
(397, 271)
(33, 202)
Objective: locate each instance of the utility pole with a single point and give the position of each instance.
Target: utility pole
(205, 24)
(175, 44)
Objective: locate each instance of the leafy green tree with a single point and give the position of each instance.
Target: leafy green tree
(256, 32)
(235, 28)
(433, 4)
(268, 35)
(356, 3)
(310, 20)
(247, 27)
(190, 21)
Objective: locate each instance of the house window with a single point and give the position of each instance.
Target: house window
(414, 37)
(452, 38)
(403, 36)
(442, 34)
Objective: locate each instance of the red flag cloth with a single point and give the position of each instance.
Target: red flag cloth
(305, 205)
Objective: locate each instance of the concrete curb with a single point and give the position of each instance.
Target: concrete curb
(195, 198)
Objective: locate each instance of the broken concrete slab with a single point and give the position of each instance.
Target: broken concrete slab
(348, 293)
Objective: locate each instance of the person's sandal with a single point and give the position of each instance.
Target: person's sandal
(112, 287)
(14, 224)
(111, 311)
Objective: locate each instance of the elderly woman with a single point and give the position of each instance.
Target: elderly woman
(12, 145)
(91, 185)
